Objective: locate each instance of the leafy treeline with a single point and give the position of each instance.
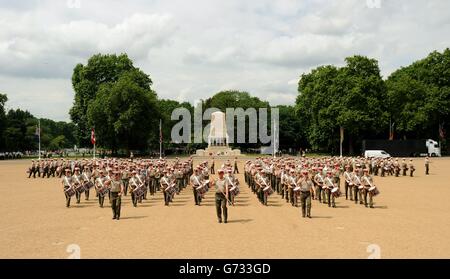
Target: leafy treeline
(18, 131)
(116, 98)
(414, 101)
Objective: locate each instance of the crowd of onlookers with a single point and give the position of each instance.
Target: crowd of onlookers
(10, 155)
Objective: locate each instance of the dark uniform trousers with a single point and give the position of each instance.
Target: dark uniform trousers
(356, 193)
(67, 196)
(167, 198)
(236, 170)
(32, 172)
(101, 199)
(78, 195)
(305, 201)
(221, 207)
(116, 204)
(197, 197)
(427, 169)
(125, 185)
(134, 199)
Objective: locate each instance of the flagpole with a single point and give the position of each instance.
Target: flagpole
(94, 151)
(39, 123)
(160, 138)
(274, 139)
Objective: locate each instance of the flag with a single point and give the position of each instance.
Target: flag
(160, 131)
(38, 131)
(93, 136)
(342, 135)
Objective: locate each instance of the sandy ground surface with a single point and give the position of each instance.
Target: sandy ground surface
(411, 220)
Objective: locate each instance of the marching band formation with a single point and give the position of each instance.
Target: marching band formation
(298, 180)
(305, 179)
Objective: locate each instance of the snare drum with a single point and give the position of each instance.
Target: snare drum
(80, 189)
(170, 190)
(374, 191)
(268, 190)
(201, 190)
(88, 185)
(138, 192)
(103, 191)
(234, 191)
(336, 192)
(69, 192)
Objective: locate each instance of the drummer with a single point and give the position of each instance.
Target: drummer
(195, 183)
(67, 183)
(367, 182)
(76, 180)
(328, 186)
(234, 183)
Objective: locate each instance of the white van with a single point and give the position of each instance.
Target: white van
(376, 154)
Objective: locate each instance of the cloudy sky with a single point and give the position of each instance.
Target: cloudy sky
(193, 49)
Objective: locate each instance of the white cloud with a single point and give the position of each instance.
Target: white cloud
(192, 49)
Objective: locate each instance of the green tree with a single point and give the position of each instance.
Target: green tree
(124, 114)
(419, 96)
(87, 80)
(351, 97)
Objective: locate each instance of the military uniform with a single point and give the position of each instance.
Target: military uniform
(67, 183)
(348, 177)
(319, 183)
(306, 186)
(411, 168)
(195, 182)
(367, 181)
(76, 179)
(99, 185)
(328, 185)
(116, 193)
(221, 187)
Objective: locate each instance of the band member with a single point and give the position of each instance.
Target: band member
(367, 182)
(221, 197)
(236, 170)
(264, 187)
(427, 165)
(165, 185)
(292, 184)
(32, 169)
(404, 167)
(306, 187)
(76, 180)
(318, 179)
(396, 168)
(195, 183)
(356, 185)
(348, 177)
(116, 195)
(212, 166)
(100, 186)
(67, 184)
(411, 168)
(125, 179)
(233, 182)
(328, 185)
(134, 184)
(86, 178)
